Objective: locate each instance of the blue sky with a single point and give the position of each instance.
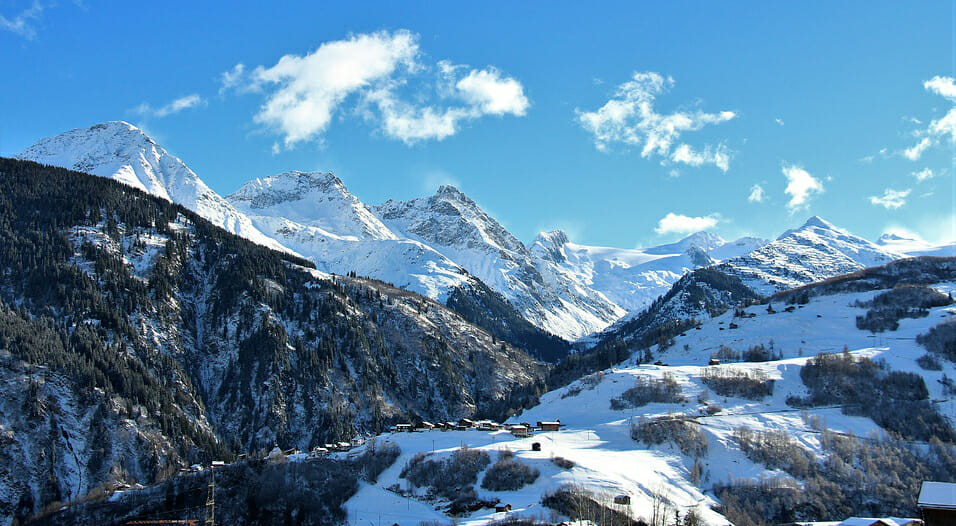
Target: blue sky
(829, 99)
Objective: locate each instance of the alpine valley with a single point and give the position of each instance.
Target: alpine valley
(295, 333)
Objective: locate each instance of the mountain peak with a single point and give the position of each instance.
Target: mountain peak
(552, 237)
(447, 192)
(703, 240)
(815, 224)
(294, 185)
(120, 151)
(818, 222)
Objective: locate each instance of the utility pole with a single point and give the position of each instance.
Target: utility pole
(211, 500)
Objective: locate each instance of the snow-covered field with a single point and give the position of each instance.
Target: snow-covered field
(597, 439)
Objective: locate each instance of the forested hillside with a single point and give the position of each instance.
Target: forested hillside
(136, 338)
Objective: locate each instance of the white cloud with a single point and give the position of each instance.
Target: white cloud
(232, 79)
(681, 224)
(23, 23)
(914, 152)
(410, 123)
(716, 156)
(779, 121)
(483, 92)
(925, 174)
(176, 106)
(938, 129)
(944, 86)
(891, 199)
(756, 194)
(366, 74)
(489, 93)
(801, 186)
(629, 118)
(310, 87)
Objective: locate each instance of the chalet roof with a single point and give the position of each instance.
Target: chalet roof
(937, 495)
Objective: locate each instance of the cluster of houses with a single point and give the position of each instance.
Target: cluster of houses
(325, 449)
(524, 429)
(521, 430)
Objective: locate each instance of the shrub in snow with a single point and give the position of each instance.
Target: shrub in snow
(581, 505)
(508, 474)
(776, 450)
(676, 429)
(647, 390)
(858, 477)
(895, 400)
(467, 501)
(905, 301)
(447, 477)
(759, 353)
(752, 385)
(562, 462)
(941, 340)
(376, 459)
(929, 362)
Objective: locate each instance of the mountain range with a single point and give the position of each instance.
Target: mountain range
(442, 245)
(147, 323)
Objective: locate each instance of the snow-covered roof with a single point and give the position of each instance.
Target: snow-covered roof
(938, 495)
(873, 521)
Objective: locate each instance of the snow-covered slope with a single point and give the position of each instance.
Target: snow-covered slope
(315, 215)
(457, 227)
(633, 278)
(605, 461)
(815, 251)
(912, 246)
(120, 151)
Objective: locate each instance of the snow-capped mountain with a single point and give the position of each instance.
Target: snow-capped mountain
(120, 151)
(456, 226)
(633, 278)
(913, 246)
(315, 215)
(174, 341)
(441, 244)
(703, 240)
(816, 251)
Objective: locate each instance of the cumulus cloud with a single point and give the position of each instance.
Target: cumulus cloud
(308, 88)
(367, 74)
(801, 186)
(944, 86)
(756, 194)
(630, 118)
(480, 92)
(488, 92)
(24, 22)
(175, 106)
(681, 224)
(925, 174)
(891, 199)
